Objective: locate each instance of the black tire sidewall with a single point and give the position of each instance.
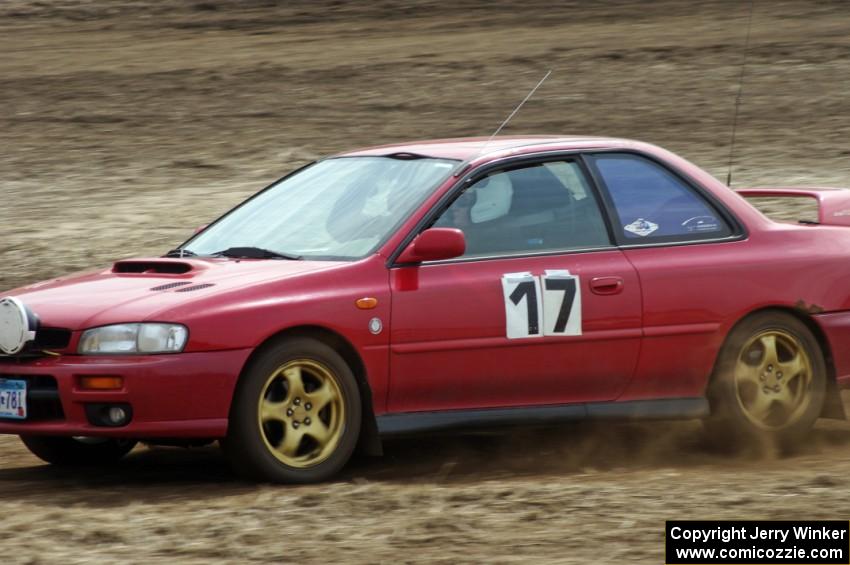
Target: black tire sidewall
(727, 418)
(244, 446)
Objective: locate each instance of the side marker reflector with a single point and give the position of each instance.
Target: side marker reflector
(366, 303)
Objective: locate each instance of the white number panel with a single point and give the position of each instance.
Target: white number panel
(561, 303)
(523, 315)
(545, 305)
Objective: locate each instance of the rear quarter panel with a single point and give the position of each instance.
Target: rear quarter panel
(695, 294)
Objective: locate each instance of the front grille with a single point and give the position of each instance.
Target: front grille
(51, 338)
(42, 398)
(46, 339)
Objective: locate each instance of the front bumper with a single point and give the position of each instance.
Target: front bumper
(185, 395)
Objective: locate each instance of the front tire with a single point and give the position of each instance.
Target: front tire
(72, 451)
(296, 414)
(770, 381)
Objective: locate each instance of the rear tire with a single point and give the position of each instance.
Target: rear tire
(769, 383)
(70, 451)
(296, 414)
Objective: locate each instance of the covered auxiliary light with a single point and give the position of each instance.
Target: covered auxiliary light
(17, 326)
(117, 416)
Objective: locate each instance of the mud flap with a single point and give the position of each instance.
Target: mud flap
(369, 442)
(833, 407)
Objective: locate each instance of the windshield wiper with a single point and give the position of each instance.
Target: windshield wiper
(255, 253)
(181, 253)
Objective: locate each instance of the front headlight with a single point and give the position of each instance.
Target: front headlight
(134, 338)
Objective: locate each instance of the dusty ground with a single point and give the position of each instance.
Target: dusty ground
(125, 123)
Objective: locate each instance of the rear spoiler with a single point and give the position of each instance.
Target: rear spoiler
(833, 203)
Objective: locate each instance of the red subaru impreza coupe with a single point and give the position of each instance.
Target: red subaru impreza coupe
(441, 284)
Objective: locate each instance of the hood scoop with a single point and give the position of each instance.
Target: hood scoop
(152, 267)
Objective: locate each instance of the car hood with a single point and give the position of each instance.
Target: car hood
(136, 290)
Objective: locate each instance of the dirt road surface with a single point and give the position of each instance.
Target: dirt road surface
(126, 123)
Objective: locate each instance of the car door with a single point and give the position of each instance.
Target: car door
(686, 248)
(541, 309)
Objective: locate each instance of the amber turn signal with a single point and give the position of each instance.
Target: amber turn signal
(101, 383)
(366, 303)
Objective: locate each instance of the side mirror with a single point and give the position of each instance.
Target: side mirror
(434, 244)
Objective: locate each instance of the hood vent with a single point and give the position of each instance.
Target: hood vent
(152, 267)
(169, 286)
(196, 287)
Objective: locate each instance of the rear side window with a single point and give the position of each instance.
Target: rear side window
(653, 204)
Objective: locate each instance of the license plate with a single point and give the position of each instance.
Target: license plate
(13, 399)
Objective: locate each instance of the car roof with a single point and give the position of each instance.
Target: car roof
(469, 148)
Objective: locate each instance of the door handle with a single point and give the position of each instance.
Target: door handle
(607, 285)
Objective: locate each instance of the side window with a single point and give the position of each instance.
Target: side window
(654, 204)
(542, 207)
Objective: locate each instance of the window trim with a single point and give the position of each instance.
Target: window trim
(513, 162)
(372, 251)
(738, 229)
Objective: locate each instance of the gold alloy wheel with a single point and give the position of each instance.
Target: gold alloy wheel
(772, 377)
(301, 413)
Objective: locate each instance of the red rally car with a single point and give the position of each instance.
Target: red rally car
(431, 285)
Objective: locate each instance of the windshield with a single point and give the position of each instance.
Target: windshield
(340, 208)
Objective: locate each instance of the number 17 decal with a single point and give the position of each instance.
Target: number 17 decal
(545, 305)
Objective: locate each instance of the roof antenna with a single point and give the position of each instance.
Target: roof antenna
(508, 119)
(738, 98)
